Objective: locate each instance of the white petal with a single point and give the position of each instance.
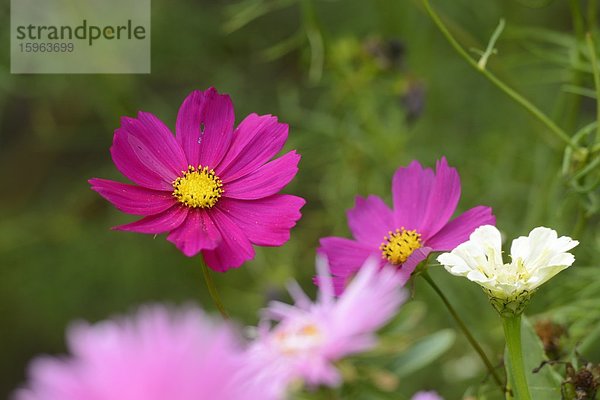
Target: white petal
(454, 264)
(476, 257)
(520, 248)
(477, 276)
(545, 245)
(541, 240)
(565, 243)
(562, 259)
(488, 238)
(544, 275)
(457, 271)
(541, 236)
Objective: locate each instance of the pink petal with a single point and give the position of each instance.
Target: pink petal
(410, 189)
(159, 223)
(196, 233)
(338, 283)
(411, 263)
(443, 199)
(145, 151)
(233, 250)
(255, 141)
(266, 222)
(346, 256)
(460, 228)
(204, 127)
(266, 180)
(370, 220)
(133, 199)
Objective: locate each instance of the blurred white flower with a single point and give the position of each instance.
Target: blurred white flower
(534, 260)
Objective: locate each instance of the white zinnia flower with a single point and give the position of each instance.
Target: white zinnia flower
(534, 260)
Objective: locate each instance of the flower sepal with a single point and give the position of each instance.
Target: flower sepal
(512, 306)
(421, 267)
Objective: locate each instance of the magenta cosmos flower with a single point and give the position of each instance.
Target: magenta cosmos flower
(310, 337)
(158, 354)
(403, 236)
(211, 187)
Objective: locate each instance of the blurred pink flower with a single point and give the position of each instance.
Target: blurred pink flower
(403, 236)
(431, 395)
(211, 187)
(156, 355)
(310, 337)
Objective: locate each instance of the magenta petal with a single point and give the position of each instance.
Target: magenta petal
(411, 263)
(370, 220)
(255, 141)
(410, 189)
(234, 248)
(146, 152)
(204, 127)
(133, 199)
(443, 199)
(159, 223)
(196, 233)
(266, 180)
(339, 284)
(460, 228)
(267, 221)
(346, 256)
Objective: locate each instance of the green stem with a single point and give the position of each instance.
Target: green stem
(315, 40)
(532, 109)
(512, 334)
(596, 72)
(491, 45)
(591, 12)
(212, 289)
(465, 330)
(573, 100)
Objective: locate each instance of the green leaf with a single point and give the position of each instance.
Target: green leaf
(408, 320)
(484, 391)
(423, 352)
(545, 384)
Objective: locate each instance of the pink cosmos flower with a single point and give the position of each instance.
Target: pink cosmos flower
(156, 355)
(211, 187)
(403, 236)
(431, 395)
(310, 337)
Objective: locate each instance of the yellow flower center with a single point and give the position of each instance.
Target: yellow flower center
(198, 187)
(299, 340)
(399, 245)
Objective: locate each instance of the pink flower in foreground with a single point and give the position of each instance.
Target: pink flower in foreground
(156, 355)
(403, 236)
(310, 337)
(431, 395)
(211, 187)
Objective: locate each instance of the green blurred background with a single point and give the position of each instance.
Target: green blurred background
(366, 86)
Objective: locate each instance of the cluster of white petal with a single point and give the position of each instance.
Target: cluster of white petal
(534, 260)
